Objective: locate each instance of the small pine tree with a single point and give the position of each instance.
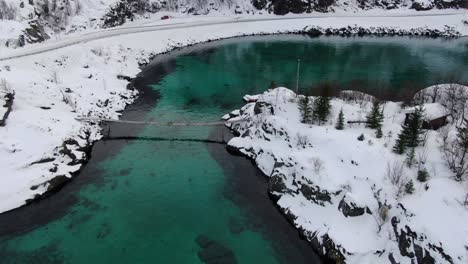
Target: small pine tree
(322, 108)
(305, 108)
(375, 117)
(340, 121)
(423, 175)
(409, 187)
(410, 136)
(400, 146)
(378, 132)
(414, 128)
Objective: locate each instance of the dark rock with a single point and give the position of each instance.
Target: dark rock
(262, 107)
(57, 183)
(35, 33)
(9, 98)
(392, 259)
(419, 7)
(439, 250)
(315, 194)
(276, 185)
(124, 77)
(327, 247)
(234, 150)
(313, 32)
(54, 169)
(351, 209)
(422, 256)
(44, 160)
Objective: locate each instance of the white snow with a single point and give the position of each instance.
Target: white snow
(355, 172)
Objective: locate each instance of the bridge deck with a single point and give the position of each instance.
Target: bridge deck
(219, 123)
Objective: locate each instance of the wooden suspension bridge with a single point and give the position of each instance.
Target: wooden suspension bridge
(225, 137)
(185, 124)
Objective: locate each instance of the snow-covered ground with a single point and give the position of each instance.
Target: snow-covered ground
(77, 75)
(338, 190)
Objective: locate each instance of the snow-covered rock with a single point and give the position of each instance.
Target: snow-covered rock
(339, 191)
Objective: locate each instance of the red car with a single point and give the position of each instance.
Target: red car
(164, 17)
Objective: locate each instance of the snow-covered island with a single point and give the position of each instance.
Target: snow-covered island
(368, 181)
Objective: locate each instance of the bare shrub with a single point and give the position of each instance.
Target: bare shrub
(456, 101)
(302, 141)
(434, 94)
(69, 100)
(5, 87)
(421, 157)
(318, 165)
(98, 51)
(54, 77)
(395, 173)
(382, 216)
(443, 133)
(455, 154)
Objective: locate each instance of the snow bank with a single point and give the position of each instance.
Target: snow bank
(42, 140)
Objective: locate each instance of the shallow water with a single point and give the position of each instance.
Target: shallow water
(161, 201)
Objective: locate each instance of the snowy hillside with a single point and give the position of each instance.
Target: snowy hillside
(23, 22)
(347, 190)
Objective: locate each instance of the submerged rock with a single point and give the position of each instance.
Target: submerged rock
(213, 252)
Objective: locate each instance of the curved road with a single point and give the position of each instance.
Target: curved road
(106, 33)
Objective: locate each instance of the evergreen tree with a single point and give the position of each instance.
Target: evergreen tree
(410, 136)
(340, 121)
(414, 130)
(400, 146)
(305, 108)
(375, 117)
(409, 187)
(422, 175)
(321, 109)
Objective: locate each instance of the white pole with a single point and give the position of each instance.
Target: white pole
(297, 76)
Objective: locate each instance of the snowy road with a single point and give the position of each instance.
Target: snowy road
(194, 22)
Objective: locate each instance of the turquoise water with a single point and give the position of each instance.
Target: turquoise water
(154, 201)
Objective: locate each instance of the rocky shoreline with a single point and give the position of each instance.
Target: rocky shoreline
(77, 153)
(327, 248)
(267, 139)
